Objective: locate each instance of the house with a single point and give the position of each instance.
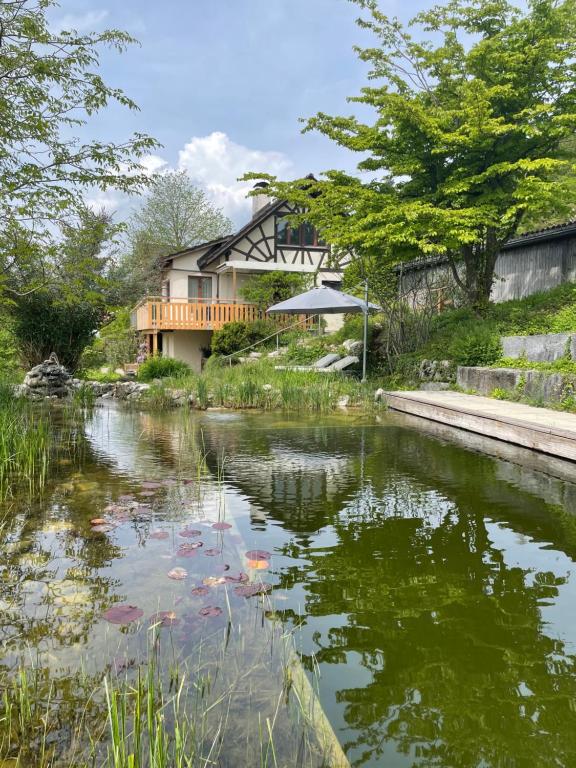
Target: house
(201, 285)
(529, 263)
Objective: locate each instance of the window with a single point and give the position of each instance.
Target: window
(199, 289)
(303, 236)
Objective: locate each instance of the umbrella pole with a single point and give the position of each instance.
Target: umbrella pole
(364, 350)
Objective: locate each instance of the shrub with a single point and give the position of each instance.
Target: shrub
(308, 353)
(272, 287)
(476, 348)
(161, 368)
(236, 336)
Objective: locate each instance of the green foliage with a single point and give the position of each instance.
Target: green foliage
(50, 87)
(306, 352)
(62, 314)
(234, 337)
(272, 287)
(116, 345)
(175, 215)
(95, 374)
(476, 348)
(472, 117)
(161, 368)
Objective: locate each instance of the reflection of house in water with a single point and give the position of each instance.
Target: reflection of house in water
(299, 477)
(294, 485)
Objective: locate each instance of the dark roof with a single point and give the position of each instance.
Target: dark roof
(556, 232)
(548, 233)
(218, 250)
(192, 248)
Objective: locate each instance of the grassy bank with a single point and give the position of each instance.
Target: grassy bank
(258, 385)
(464, 338)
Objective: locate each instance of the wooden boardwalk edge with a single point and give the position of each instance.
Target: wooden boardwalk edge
(500, 420)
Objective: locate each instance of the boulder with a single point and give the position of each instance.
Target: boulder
(49, 379)
(353, 346)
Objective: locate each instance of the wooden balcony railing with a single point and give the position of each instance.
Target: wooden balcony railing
(158, 314)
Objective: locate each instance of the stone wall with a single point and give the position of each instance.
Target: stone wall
(543, 348)
(540, 386)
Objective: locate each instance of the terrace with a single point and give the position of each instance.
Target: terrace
(159, 313)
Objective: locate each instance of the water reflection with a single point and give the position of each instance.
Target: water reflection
(432, 586)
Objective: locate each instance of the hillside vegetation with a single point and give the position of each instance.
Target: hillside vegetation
(464, 338)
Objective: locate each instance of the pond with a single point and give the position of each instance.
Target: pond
(424, 580)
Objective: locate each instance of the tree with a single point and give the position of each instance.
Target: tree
(175, 215)
(469, 137)
(49, 87)
(272, 287)
(68, 299)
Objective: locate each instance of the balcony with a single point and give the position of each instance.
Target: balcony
(162, 314)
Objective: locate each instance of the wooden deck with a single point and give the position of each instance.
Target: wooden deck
(540, 429)
(157, 314)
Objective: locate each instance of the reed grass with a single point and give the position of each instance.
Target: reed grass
(258, 385)
(166, 714)
(32, 436)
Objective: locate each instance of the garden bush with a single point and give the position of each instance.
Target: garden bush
(234, 337)
(161, 368)
(480, 347)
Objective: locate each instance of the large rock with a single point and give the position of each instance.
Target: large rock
(542, 348)
(353, 346)
(49, 379)
(486, 380)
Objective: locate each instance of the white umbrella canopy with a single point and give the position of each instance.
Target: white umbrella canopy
(322, 301)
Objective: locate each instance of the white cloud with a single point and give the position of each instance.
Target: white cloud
(215, 162)
(82, 22)
(153, 164)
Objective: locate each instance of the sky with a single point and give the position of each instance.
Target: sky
(222, 84)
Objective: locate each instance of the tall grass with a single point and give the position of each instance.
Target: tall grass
(259, 385)
(166, 715)
(31, 437)
(25, 439)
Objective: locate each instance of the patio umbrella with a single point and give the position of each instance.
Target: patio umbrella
(322, 301)
(328, 301)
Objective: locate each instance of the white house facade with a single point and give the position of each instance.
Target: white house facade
(201, 286)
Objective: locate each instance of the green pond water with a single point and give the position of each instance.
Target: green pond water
(429, 588)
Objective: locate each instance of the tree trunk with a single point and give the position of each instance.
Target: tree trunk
(479, 264)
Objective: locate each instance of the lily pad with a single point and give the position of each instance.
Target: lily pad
(98, 521)
(186, 550)
(159, 535)
(200, 591)
(250, 590)
(106, 528)
(165, 619)
(210, 610)
(212, 552)
(147, 493)
(150, 485)
(123, 614)
(214, 581)
(221, 526)
(258, 565)
(258, 554)
(178, 573)
(189, 533)
(126, 497)
(242, 578)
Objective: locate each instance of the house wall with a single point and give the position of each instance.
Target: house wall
(182, 267)
(186, 346)
(520, 271)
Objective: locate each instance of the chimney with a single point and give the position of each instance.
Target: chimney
(260, 201)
